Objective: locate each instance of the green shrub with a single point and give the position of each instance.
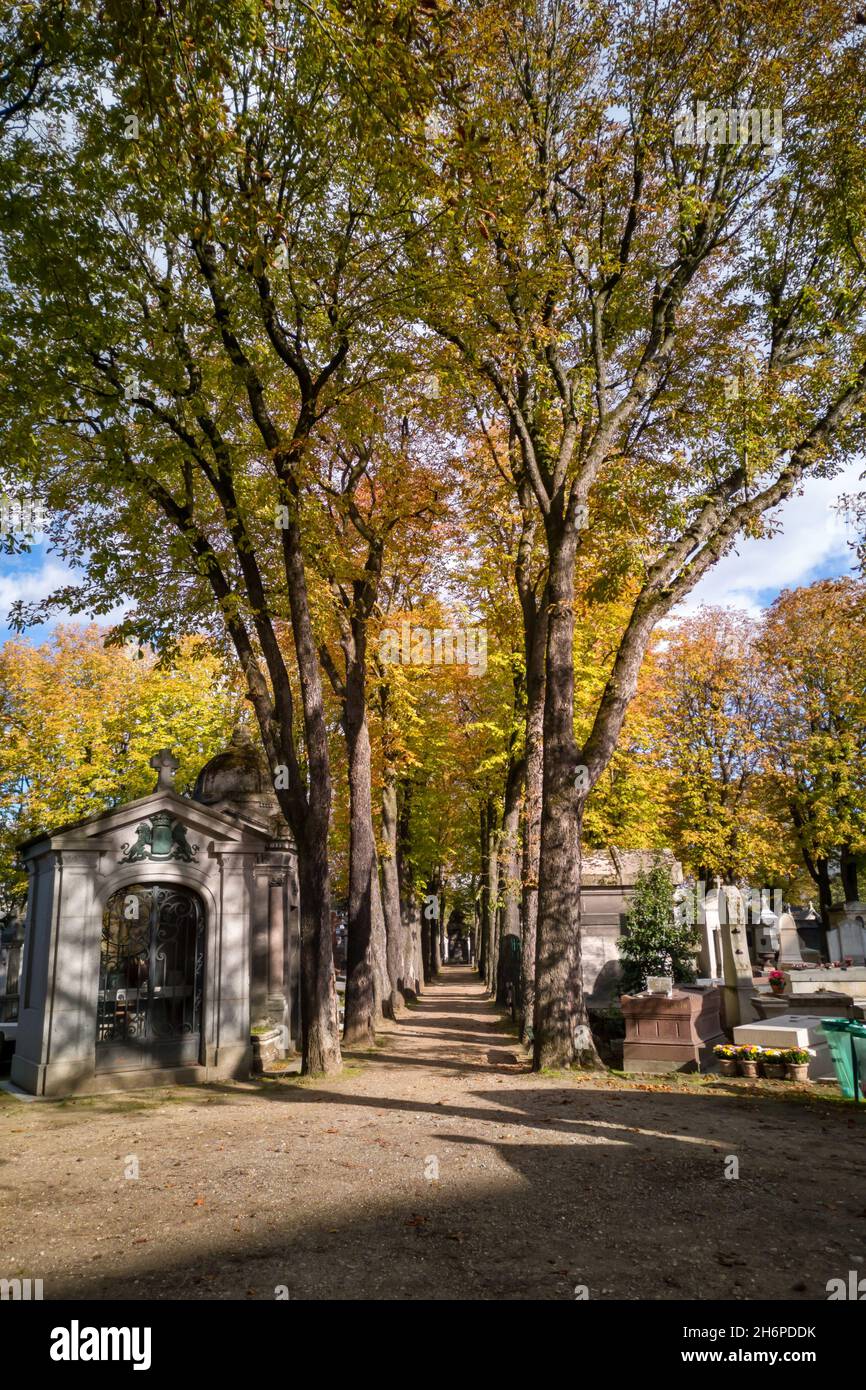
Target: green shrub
(654, 943)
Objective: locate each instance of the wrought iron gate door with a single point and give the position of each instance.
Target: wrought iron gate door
(150, 979)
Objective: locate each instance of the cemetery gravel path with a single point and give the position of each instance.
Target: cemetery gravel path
(436, 1166)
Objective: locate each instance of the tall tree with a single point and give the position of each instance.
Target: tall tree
(714, 697)
(596, 260)
(197, 274)
(369, 466)
(812, 648)
(81, 720)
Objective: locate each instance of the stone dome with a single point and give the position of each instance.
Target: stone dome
(239, 776)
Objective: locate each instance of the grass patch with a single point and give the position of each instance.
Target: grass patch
(269, 1081)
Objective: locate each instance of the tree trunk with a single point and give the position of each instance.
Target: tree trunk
(319, 1018)
(436, 933)
(561, 1030)
(848, 866)
(360, 1010)
(381, 978)
(509, 868)
(492, 895)
(416, 952)
(411, 971)
(825, 895)
(484, 923)
(321, 1047)
(394, 935)
(818, 868)
(532, 818)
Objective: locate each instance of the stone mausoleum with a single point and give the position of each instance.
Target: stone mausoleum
(158, 933)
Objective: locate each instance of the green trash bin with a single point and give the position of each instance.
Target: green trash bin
(857, 1032)
(842, 1052)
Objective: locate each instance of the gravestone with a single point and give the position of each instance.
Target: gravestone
(735, 960)
(851, 932)
(789, 942)
(851, 981)
(711, 942)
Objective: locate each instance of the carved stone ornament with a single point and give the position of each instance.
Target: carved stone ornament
(160, 837)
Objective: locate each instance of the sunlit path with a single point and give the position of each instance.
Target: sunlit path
(435, 1166)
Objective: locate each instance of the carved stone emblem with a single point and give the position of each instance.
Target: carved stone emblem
(159, 837)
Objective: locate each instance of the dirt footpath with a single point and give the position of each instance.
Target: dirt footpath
(435, 1167)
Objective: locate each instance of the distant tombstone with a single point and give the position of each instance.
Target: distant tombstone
(852, 933)
(789, 941)
(735, 960)
(711, 946)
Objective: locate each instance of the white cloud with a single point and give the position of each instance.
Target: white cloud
(31, 585)
(813, 541)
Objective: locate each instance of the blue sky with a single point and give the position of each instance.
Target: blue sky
(814, 543)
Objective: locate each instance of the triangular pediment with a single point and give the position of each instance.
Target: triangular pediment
(179, 822)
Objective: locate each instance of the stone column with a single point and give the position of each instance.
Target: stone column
(56, 1043)
(230, 1051)
(279, 860)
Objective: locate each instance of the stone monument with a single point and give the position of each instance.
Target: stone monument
(846, 938)
(735, 960)
(158, 932)
(789, 942)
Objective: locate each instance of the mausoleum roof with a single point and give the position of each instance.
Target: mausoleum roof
(621, 867)
(239, 776)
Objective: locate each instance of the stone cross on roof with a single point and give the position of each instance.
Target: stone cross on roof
(165, 765)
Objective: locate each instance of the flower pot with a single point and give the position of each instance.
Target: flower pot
(748, 1068)
(797, 1071)
(728, 1066)
(776, 987)
(774, 1071)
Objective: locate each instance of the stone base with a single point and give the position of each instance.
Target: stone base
(671, 1033)
(655, 1067)
(821, 1005)
(791, 1030)
(54, 1080)
(851, 981)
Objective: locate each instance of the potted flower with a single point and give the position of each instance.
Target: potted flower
(727, 1057)
(774, 1064)
(748, 1059)
(777, 981)
(797, 1062)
